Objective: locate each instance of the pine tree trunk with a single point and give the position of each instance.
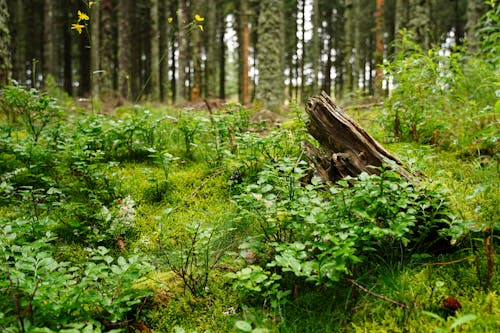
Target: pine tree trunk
(182, 62)
(303, 49)
(473, 18)
(211, 45)
(155, 51)
(270, 89)
(348, 44)
(316, 49)
(379, 46)
(18, 46)
(67, 60)
(106, 50)
(48, 39)
(124, 54)
(95, 52)
(222, 51)
(165, 40)
(244, 40)
(5, 57)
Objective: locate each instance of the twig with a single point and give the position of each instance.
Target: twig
(448, 262)
(382, 297)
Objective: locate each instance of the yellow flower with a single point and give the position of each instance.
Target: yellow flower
(170, 19)
(200, 27)
(199, 18)
(77, 27)
(82, 17)
(91, 3)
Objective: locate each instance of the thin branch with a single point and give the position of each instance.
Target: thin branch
(449, 262)
(382, 297)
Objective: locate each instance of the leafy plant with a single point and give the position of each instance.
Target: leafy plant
(40, 292)
(35, 110)
(435, 99)
(318, 238)
(194, 256)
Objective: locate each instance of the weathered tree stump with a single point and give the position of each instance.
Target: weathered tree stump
(347, 149)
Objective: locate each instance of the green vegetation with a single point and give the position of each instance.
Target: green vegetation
(183, 220)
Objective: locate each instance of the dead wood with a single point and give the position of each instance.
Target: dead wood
(347, 150)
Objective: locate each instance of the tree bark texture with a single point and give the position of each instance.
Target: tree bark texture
(270, 60)
(347, 149)
(5, 60)
(155, 90)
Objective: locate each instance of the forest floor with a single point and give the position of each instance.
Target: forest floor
(184, 175)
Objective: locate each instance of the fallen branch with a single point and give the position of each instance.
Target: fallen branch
(446, 263)
(382, 297)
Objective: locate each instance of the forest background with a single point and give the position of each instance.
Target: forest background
(156, 50)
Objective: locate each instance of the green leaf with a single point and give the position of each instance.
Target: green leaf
(243, 326)
(433, 315)
(463, 320)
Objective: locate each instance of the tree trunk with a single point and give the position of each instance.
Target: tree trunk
(106, 50)
(222, 51)
(48, 39)
(182, 62)
(124, 59)
(18, 45)
(315, 49)
(211, 45)
(95, 73)
(347, 149)
(270, 60)
(379, 46)
(474, 13)
(5, 61)
(165, 38)
(348, 45)
(244, 44)
(155, 51)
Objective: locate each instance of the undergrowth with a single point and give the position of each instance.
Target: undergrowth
(184, 220)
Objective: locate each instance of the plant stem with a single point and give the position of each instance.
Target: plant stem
(382, 297)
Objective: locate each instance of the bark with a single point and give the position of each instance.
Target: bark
(5, 60)
(347, 149)
(474, 13)
(303, 51)
(165, 43)
(18, 46)
(124, 54)
(316, 49)
(270, 54)
(211, 45)
(348, 45)
(195, 39)
(244, 41)
(379, 46)
(94, 52)
(106, 50)
(183, 53)
(155, 52)
(48, 39)
(222, 51)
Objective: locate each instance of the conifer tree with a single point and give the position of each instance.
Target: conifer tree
(270, 89)
(5, 60)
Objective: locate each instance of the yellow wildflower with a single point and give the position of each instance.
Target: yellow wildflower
(199, 18)
(200, 27)
(170, 19)
(77, 27)
(91, 3)
(82, 17)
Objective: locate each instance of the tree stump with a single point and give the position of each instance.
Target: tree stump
(347, 149)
